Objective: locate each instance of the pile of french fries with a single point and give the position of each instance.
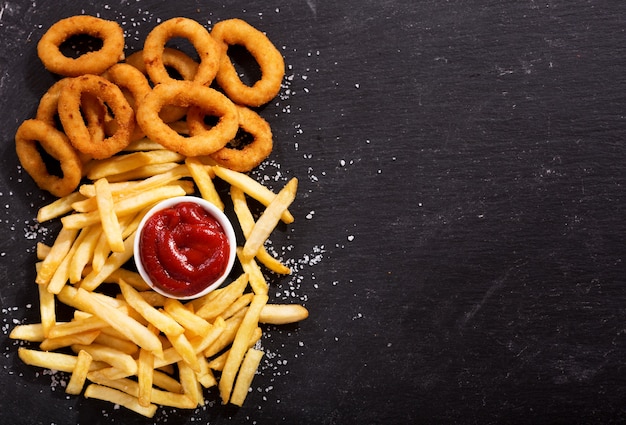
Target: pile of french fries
(132, 346)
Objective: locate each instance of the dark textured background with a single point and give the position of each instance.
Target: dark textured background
(459, 229)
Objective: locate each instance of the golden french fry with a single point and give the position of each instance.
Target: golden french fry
(240, 346)
(79, 374)
(251, 268)
(205, 376)
(123, 163)
(203, 180)
(110, 223)
(214, 307)
(163, 322)
(58, 207)
(115, 358)
(47, 309)
(135, 331)
(125, 206)
(77, 326)
(248, 369)
(61, 246)
(144, 172)
(239, 304)
(114, 262)
(30, 332)
(166, 382)
(84, 253)
(253, 188)
(133, 278)
(130, 387)
(51, 344)
(47, 359)
(226, 337)
(187, 352)
(246, 221)
(114, 396)
(120, 344)
(281, 314)
(191, 386)
(270, 218)
(42, 250)
(190, 321)
(219, 362)
(145, 370)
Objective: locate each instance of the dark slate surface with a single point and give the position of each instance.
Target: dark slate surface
(459, 228)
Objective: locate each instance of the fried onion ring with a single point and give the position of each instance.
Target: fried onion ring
(208, 50)
(131, 81)
(56, 144)
(96, 62)
(249, 156)
(181, 63)
(73, 122)
(271, 62)
(186, 94)
(93, 110)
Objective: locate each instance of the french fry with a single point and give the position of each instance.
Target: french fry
(270, 218)
(47, 359)
(30, 332)
(146, 171)
(123, 163)
(246, 221)
(161, 321)
(187, 352)
(238, 305)
(133, 278)
(145, 375)
(240, 345)
(219, 362)
(79, 374)
(251, 268)
(247, 371)
(191, 386)
(110, 224)
(135, 331)
(84, 253)
(115, 358)
(253, 188)
(61, 246)
(42, 250)
(130, 387)
(129, 205)
(205, 376)
(58, 207)
(282, 314)
(123, 345)
(213, 308)
(47, 310)
(118, 397)
(227, 336)
(204, 182)
(114, 262)
(86, 338)
(190, 321)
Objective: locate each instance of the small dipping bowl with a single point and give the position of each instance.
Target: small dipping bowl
(221, 219)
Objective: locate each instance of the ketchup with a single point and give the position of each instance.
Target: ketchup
(184, 249)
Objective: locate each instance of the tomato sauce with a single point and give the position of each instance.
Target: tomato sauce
(184, 249)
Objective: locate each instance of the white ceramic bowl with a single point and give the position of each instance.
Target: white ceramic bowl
(217, 214)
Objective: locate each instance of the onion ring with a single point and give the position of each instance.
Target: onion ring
(57, 145)
(93, 110)
(96, 62)
(134, 82)
(187, 93)
(271, 62)
(208, 50)
(73, 123)
(179, 61)
(173, 58)
(252, 154)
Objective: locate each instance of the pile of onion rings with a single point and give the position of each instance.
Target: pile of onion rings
(106, 99)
